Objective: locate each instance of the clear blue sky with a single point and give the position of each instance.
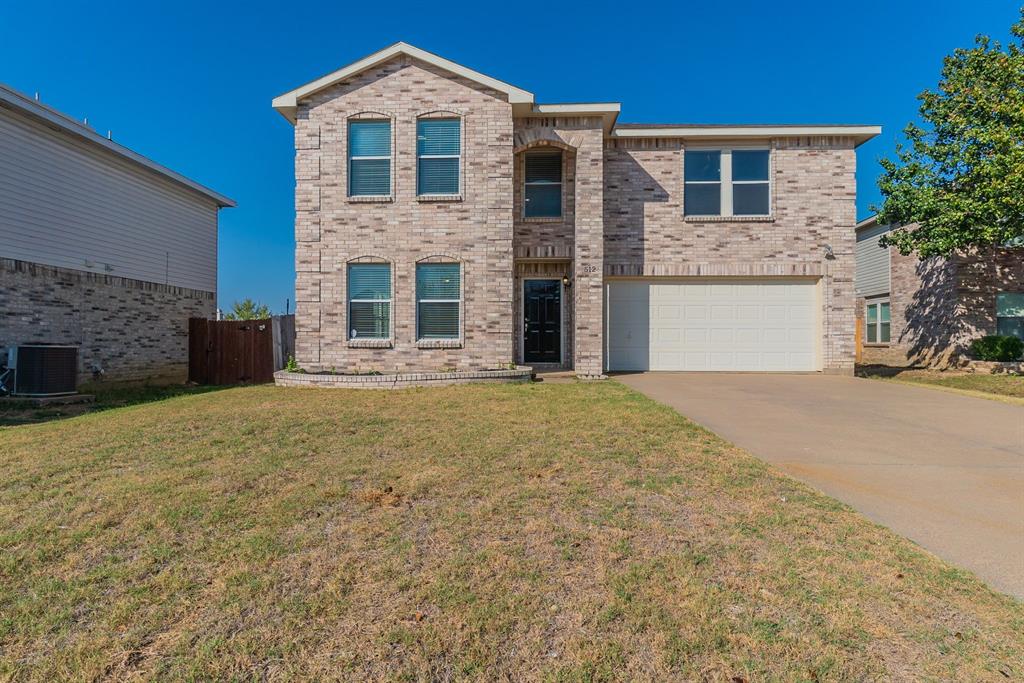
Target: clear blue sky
(189, 83)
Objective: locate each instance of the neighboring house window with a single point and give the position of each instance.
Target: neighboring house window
(877, 322)
(727, 182)
(369, 300)
(1010, 314)
(438, 150)
(543, 192)
(369, 158)
(438, 300)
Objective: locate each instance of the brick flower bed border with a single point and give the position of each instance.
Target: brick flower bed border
(283, 378)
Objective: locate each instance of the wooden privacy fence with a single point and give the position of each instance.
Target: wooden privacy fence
(238, 351)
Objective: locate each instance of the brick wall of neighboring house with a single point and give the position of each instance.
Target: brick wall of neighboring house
(925, 318)
(813, 200)
(131, 329)
(332, 230)
(980, 276)
(938, 306)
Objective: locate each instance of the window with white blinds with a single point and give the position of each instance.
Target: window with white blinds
(543, 180)
(369, 158)
(438, 300)
(438, 156)
(369, 301)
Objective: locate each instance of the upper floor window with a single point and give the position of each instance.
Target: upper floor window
(727, 182)
(877, 322)
(438, 156)
(543, 179)
(369, 158)
(1010, 314)
(369, 300)
(438, 300)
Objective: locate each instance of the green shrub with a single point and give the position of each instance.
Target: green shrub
(998, 348)
(291, 365)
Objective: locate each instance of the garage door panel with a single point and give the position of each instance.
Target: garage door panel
(747, 336)
(738, 325)
(696, 312)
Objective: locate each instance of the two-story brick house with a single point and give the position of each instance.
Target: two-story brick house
(444, 219)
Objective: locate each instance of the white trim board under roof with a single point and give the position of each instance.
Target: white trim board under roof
(287, 103)
(867, 222)
(12, 99)
(722, 132)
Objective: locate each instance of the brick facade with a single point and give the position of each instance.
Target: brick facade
(133, 330)
(622, 216)
(938, 306)
(813, 200)
(333, 230)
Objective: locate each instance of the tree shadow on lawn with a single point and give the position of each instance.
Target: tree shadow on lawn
(15, 413)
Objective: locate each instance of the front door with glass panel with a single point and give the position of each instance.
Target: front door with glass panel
(542, 321)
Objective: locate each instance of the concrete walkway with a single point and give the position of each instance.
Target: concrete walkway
(943, 469)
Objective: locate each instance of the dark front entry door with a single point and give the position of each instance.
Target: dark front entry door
(542, 321)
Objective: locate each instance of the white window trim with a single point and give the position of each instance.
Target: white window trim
(725, 195)
(418, 301)
(1003, 317)
(878, 322)
(388, 301)
(462, 148)
(560, 183)
(389, 157)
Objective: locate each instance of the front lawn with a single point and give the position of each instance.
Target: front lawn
(1007, 386)
(565, 532)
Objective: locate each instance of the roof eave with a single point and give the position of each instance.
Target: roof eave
(867, 222)
(609, 111)
(860, 134)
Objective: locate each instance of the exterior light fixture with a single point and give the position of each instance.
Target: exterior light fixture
(829, 253)
(566, 282)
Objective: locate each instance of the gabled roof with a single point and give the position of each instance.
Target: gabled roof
(287, 103)
(12, 99)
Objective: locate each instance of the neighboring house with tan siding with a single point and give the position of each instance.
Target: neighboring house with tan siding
(916, 312)
(100, 247)
(444, 219)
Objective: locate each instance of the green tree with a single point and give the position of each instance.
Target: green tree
(960, 176)
(247, 309)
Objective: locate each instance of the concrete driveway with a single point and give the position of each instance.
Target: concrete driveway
(943, 469)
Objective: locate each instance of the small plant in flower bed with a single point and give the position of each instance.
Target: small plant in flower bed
(995, 347)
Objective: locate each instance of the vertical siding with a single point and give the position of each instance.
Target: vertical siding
(65, 203)
(872, 276)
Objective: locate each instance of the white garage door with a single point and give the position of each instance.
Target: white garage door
(712, 324)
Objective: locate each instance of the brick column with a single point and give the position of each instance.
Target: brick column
(308, 276)
(588, 261)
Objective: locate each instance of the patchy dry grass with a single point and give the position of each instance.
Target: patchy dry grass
(570, 532)
(106, 397)
(997, 386)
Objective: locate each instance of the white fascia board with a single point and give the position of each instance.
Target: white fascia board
(578, 108)
(16, 100)
(861, 133)
(870, 220)
(287, 103)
